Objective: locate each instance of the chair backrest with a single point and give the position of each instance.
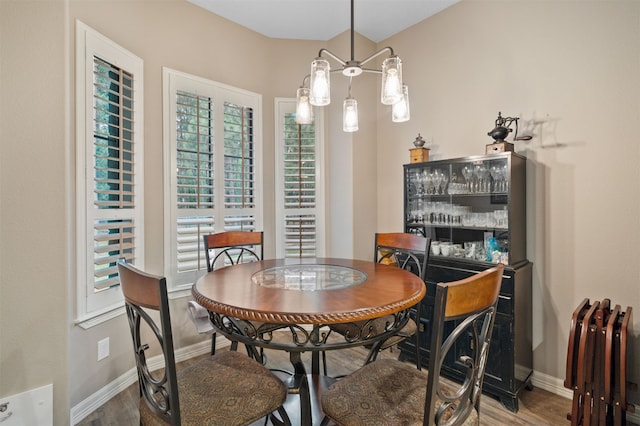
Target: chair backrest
(143, 292)
(470, 304)
(229, 248)
(407, 251)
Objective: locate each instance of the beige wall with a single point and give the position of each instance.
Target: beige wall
(170, 33)
(569, 69)
(35, 229)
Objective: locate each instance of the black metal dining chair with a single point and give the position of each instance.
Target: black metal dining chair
(406, 251)
(391, 392)
(225, 389)
(225, 249)
(233, 247)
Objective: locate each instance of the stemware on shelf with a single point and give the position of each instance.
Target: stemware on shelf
(445, 179)
(467, 172)
(437, 181)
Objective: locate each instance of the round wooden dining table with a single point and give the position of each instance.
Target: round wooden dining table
(249, 302)
(308, 291)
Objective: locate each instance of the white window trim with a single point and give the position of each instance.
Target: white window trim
(95, 308)
(288, 105)
(173, 80)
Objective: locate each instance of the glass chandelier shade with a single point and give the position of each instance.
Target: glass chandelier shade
(320, 85)
(304, 111)
(391, 80)
(350, 115)
(400, 110)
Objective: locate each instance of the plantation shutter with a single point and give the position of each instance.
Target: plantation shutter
(213, 161)
(195, 183)
(239, 168)
(299, 189)
(114, 183)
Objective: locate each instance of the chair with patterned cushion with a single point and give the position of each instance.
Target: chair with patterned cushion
(225, 389)
(406, 251)
(390, 392)
(225, 249)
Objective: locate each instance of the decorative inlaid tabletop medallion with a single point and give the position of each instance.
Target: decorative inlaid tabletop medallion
(309, 277)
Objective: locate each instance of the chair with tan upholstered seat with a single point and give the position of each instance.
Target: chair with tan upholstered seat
(406, 251)
(225, 249)
(390, 392)
(225, 389)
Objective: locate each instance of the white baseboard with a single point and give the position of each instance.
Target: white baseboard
(556, 386)
(550, 384)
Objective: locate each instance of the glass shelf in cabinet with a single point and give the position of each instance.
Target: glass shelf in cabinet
(466, 259)
(445, 225)
(476, 194)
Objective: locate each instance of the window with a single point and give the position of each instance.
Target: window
(109, 171)
(299, 187)
(213, 158)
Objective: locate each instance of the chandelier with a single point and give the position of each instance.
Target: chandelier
(316, 86)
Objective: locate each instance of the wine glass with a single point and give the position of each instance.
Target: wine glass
(418, 183)
(480, 172)
(477, 175)
(495, 173)
(445, 179)
(428, 177)
(437, 181)
(486, 182)
(428, 212)
(420, 211)
(467, 173)
(505, 181)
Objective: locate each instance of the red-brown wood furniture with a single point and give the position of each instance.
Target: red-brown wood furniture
(597, 364)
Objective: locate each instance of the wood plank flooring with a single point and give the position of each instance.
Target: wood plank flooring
(536, 407)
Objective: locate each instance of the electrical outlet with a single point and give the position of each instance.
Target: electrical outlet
(103, 348)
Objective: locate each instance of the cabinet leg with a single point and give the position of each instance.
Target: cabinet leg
(510, 402)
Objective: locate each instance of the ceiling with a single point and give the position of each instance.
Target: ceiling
(324, 19)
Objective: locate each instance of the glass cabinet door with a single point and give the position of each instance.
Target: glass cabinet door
(472, 208)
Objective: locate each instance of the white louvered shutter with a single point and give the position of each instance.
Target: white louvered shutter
(299, 188)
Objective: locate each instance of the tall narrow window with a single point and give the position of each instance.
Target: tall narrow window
(109, 169)
(239, 168)
(213, 160)
(300, 215)
(194, 187)
(114, 184)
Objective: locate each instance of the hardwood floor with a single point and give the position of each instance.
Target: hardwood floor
(537, 407)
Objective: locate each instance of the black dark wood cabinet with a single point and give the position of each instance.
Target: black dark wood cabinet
(461, 214)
